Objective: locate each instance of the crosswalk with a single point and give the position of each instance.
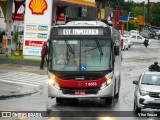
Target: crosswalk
(23, 78)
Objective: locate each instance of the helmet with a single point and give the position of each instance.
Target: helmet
(156, 63)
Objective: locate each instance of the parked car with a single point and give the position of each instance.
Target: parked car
(147, 91)
(137, 39)
(158, 32)
(126, 33)
(153, 30)
(134, 32)
(147, 34)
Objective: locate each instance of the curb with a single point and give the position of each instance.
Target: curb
(4, 97)
(19, 62)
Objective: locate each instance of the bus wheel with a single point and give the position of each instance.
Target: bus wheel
(117, 95)
(59, 100)
(109, 101)
(136, 108)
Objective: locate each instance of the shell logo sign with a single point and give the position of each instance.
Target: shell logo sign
(38, 6)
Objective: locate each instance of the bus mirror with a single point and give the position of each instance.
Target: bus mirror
(116, 50)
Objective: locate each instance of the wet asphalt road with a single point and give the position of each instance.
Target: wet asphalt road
(135, 61)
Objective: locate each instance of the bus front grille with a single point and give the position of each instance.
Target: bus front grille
(72, 91)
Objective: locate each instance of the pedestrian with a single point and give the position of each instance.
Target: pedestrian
(122, 44)
(43, 55)
(154, 67)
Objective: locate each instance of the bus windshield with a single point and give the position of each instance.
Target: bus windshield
(81, 55)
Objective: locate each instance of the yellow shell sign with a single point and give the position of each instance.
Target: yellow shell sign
(140, 20)
(38, 6)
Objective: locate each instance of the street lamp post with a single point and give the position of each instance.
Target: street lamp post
(128, 19)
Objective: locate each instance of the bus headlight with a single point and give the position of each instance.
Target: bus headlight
(52, 81)
(143, 92)
(109, 81)
(106, 83)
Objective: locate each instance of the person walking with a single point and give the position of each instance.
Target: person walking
(43, 55)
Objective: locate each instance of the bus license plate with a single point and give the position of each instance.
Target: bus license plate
(157, 100)
(80, 92)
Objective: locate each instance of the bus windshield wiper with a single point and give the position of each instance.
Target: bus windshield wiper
(100, 49)
(69, 47)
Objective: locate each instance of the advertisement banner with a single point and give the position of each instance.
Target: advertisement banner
(18, 17)
(116, 18)
(38, 12)
(36, 32)
(140, 20)
(4, 42)
(34, 43)
(33, 52)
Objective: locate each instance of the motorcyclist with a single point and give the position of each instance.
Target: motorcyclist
(154, 67)
(146, 42)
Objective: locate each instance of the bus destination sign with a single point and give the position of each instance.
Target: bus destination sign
(83, 31)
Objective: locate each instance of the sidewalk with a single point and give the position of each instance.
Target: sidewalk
(8, 90)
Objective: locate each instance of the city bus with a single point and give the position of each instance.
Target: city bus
(84, 61)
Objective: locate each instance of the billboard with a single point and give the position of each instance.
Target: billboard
(37, 23)
(140, 20)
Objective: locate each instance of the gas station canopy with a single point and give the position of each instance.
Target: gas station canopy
(90, 3)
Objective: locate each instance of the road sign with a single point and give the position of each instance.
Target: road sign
(140, 20)
(83, 67)
(123, 18)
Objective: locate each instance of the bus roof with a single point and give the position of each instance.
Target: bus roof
(85, 23)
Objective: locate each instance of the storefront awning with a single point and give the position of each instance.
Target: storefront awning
(90, 3)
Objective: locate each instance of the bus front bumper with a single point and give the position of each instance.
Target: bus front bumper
(108, 91)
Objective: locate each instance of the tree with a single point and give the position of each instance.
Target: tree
(137, 11)
(154, 17)
(15, 37)
(131, 25)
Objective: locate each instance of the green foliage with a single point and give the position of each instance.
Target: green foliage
(21, 58)
(15, 37)
(154, 17)
(137, 11)
(131, 25)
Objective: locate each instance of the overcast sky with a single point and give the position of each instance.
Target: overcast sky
(146, 0)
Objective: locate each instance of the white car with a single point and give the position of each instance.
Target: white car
(134, 32)
(147, 91)
(158, 32)
(138, 39)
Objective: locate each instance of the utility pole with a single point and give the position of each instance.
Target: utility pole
(148, 7)
(144, 13)
(128, 19)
